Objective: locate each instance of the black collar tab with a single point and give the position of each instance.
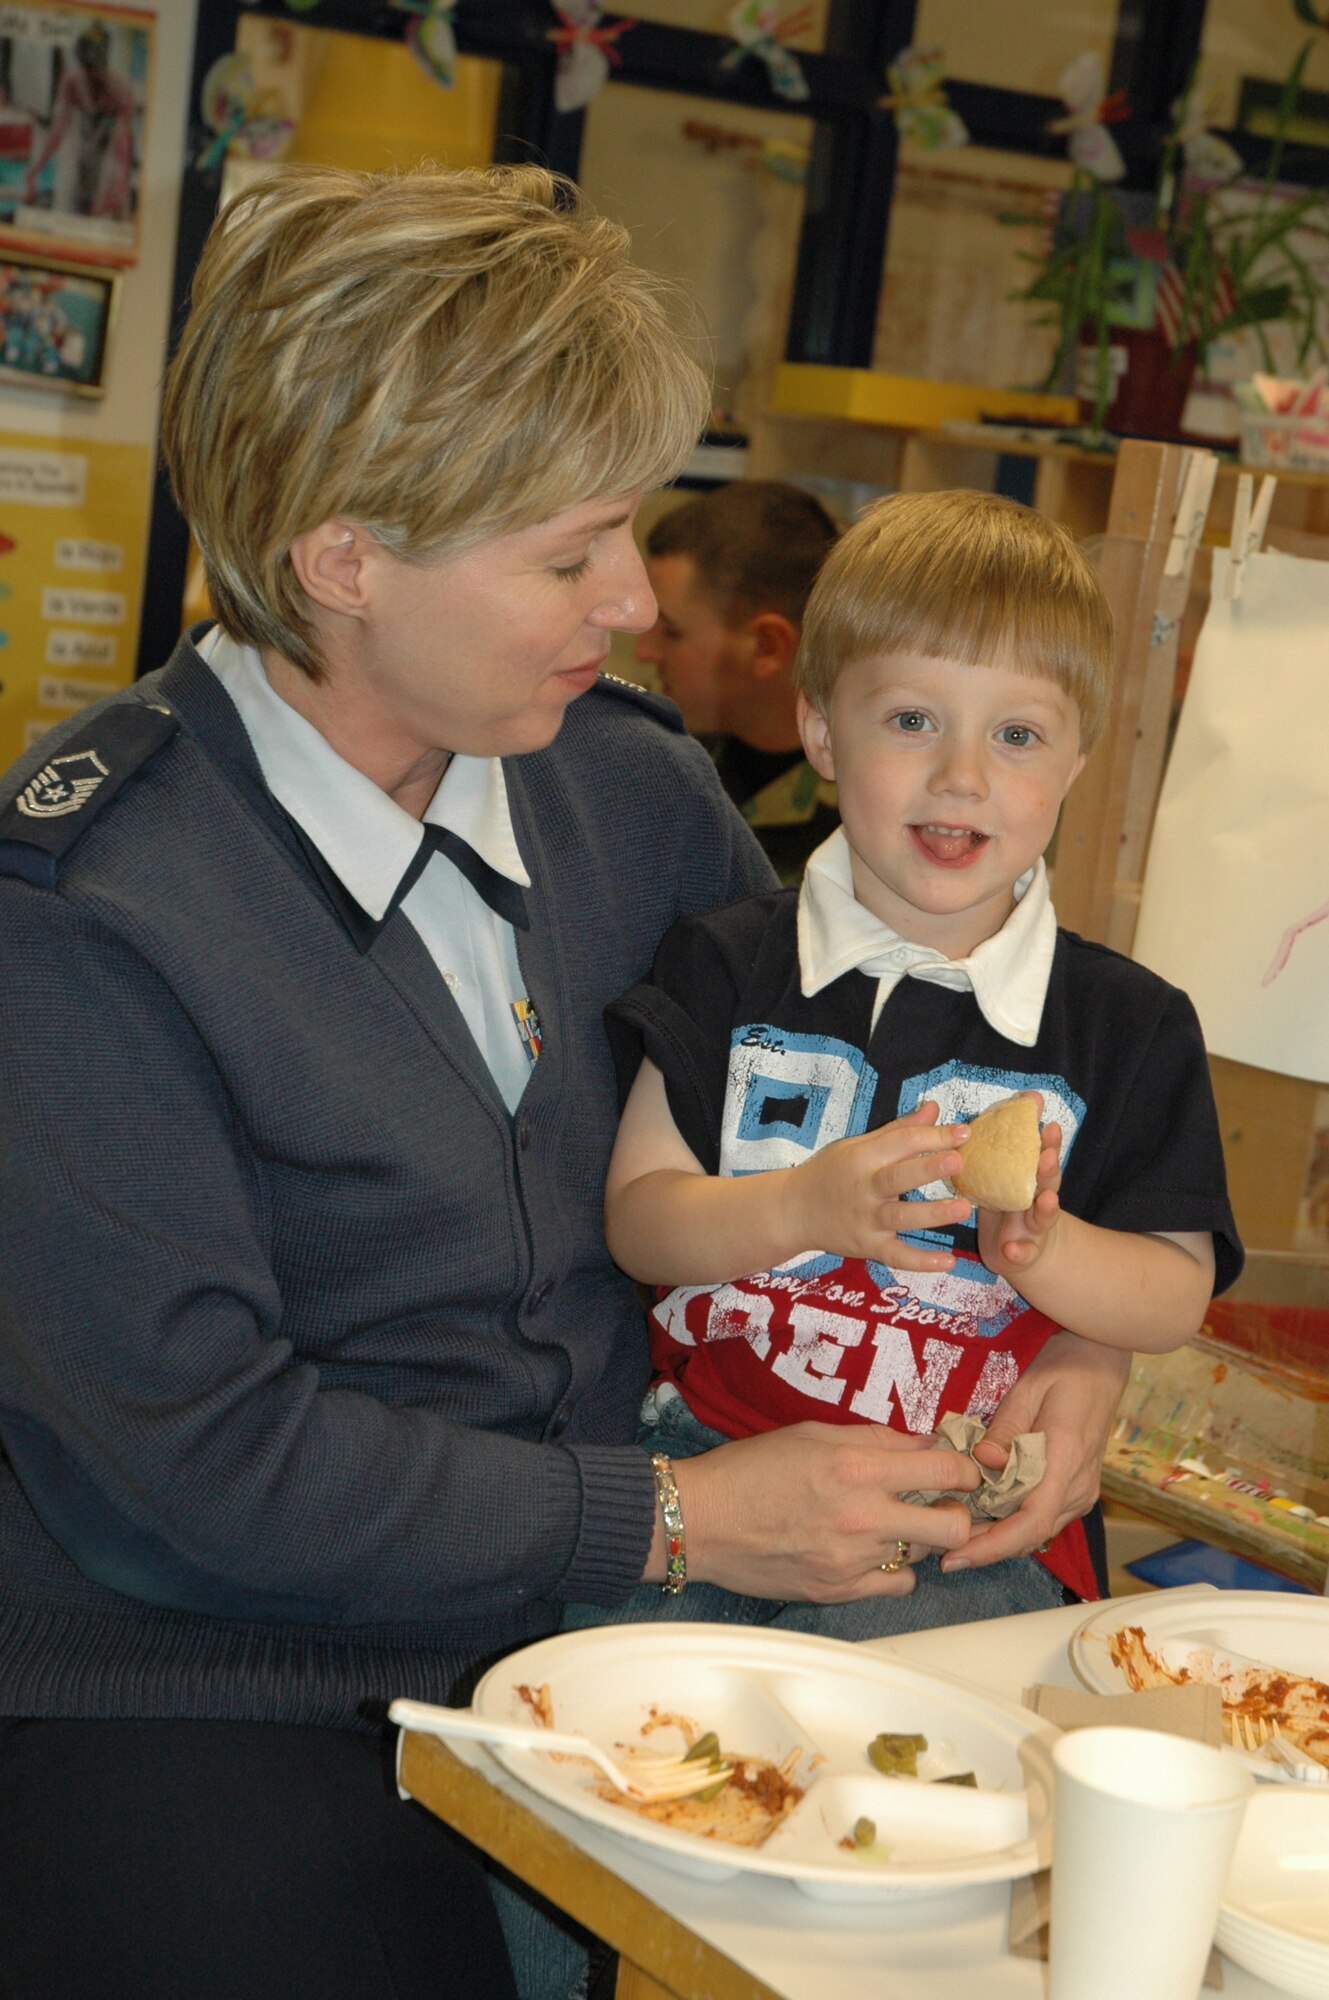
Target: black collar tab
(503, 896)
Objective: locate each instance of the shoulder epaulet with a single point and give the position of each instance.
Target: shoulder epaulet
(657, 705)
(43, 819)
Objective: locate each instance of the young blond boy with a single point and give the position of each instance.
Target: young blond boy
(806, 1062)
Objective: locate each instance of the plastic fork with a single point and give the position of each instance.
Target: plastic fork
(1260, 1733)
(651, 1776)
(1247, 1732)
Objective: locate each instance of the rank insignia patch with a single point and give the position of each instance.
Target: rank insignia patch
(61, 786)
(43, 817)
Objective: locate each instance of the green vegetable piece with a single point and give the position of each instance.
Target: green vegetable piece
(958, 1778)
(865, 1832)
(706, 1747)
(896, 1755)
(714, 1791)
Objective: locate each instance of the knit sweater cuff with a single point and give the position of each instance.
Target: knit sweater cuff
(617, 1519)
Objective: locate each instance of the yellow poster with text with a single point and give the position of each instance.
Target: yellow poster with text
(73, 536)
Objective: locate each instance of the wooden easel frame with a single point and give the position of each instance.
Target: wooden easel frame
(1267, 1120)
(1105, 823)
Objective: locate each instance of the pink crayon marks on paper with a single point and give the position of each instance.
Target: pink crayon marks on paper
(1289, 938)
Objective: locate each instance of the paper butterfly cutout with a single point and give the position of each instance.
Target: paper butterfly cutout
(757, 27)
(585, 51)
(1204, 152)
(775, 156)
(922, 113)
(785, 162)
(430, 38)
(238, 115)
(1088, 113)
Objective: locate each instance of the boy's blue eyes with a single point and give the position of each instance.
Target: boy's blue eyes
(913, 722)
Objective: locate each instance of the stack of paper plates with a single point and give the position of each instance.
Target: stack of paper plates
(1274, 1918)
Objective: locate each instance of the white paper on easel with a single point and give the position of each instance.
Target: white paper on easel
(1235, 906)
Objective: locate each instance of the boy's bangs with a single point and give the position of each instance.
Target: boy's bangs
(999, 627)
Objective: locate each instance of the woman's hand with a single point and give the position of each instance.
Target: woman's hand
(1070, 1392)
(812, 1511)
(849, 1198)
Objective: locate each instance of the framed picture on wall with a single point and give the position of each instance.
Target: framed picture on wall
(56, 321)
(74, 85)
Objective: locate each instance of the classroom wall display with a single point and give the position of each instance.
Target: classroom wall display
(74, 87)
(72, 543)
(55, 324)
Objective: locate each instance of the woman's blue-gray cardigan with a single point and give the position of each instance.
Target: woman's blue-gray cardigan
(315, 1375)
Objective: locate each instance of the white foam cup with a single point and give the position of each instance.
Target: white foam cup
(1143, 1829)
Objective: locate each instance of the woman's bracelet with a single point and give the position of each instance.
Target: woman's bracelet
(671, 1512)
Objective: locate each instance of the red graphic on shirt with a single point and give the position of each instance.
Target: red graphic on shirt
(777, 1348)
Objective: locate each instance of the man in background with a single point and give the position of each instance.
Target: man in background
(731, 571)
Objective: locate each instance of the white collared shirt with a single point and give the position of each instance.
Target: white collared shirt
(1007, 974)
(368, 842)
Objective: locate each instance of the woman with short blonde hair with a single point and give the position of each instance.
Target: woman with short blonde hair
(440, 357)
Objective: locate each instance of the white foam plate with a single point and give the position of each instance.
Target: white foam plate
(1274, 1917)
(1274, 1627)
(766, 1694)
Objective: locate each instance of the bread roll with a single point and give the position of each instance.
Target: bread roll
(1000, 1156)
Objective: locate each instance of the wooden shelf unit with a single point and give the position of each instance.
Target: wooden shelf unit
(916, 436)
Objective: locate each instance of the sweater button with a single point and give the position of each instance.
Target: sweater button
(524, 1134)
(541, 1295)
(560, 1423)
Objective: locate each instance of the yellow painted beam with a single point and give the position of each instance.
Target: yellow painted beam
(907, 402)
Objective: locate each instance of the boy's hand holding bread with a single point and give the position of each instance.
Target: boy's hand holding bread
(849, 1198)
(1011, 1170)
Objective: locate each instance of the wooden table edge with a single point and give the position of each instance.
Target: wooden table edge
(658, 1954)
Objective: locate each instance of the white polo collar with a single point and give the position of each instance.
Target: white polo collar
(365, 837)
(1008, 974)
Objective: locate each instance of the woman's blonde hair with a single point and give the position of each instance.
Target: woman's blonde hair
(961, 576)
(439, 357)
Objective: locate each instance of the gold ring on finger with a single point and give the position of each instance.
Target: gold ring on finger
(897, 1561)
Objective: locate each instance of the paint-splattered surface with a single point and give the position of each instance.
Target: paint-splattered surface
(1232, 1446)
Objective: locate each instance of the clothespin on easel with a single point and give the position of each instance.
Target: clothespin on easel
(1250, 518)
(1197, 485)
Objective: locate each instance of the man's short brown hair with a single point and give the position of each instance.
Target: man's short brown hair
(961, 576)
(757, 546)
(438, 357)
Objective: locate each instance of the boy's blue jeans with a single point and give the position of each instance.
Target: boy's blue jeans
(549, 1962)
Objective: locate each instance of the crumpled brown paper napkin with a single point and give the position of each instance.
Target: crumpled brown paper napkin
(1195, 1711)
(1001, 1492)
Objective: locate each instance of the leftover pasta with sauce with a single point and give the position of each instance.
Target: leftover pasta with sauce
(1297, 1703)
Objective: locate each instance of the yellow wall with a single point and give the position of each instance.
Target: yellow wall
(76, 473)
(364, 103)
